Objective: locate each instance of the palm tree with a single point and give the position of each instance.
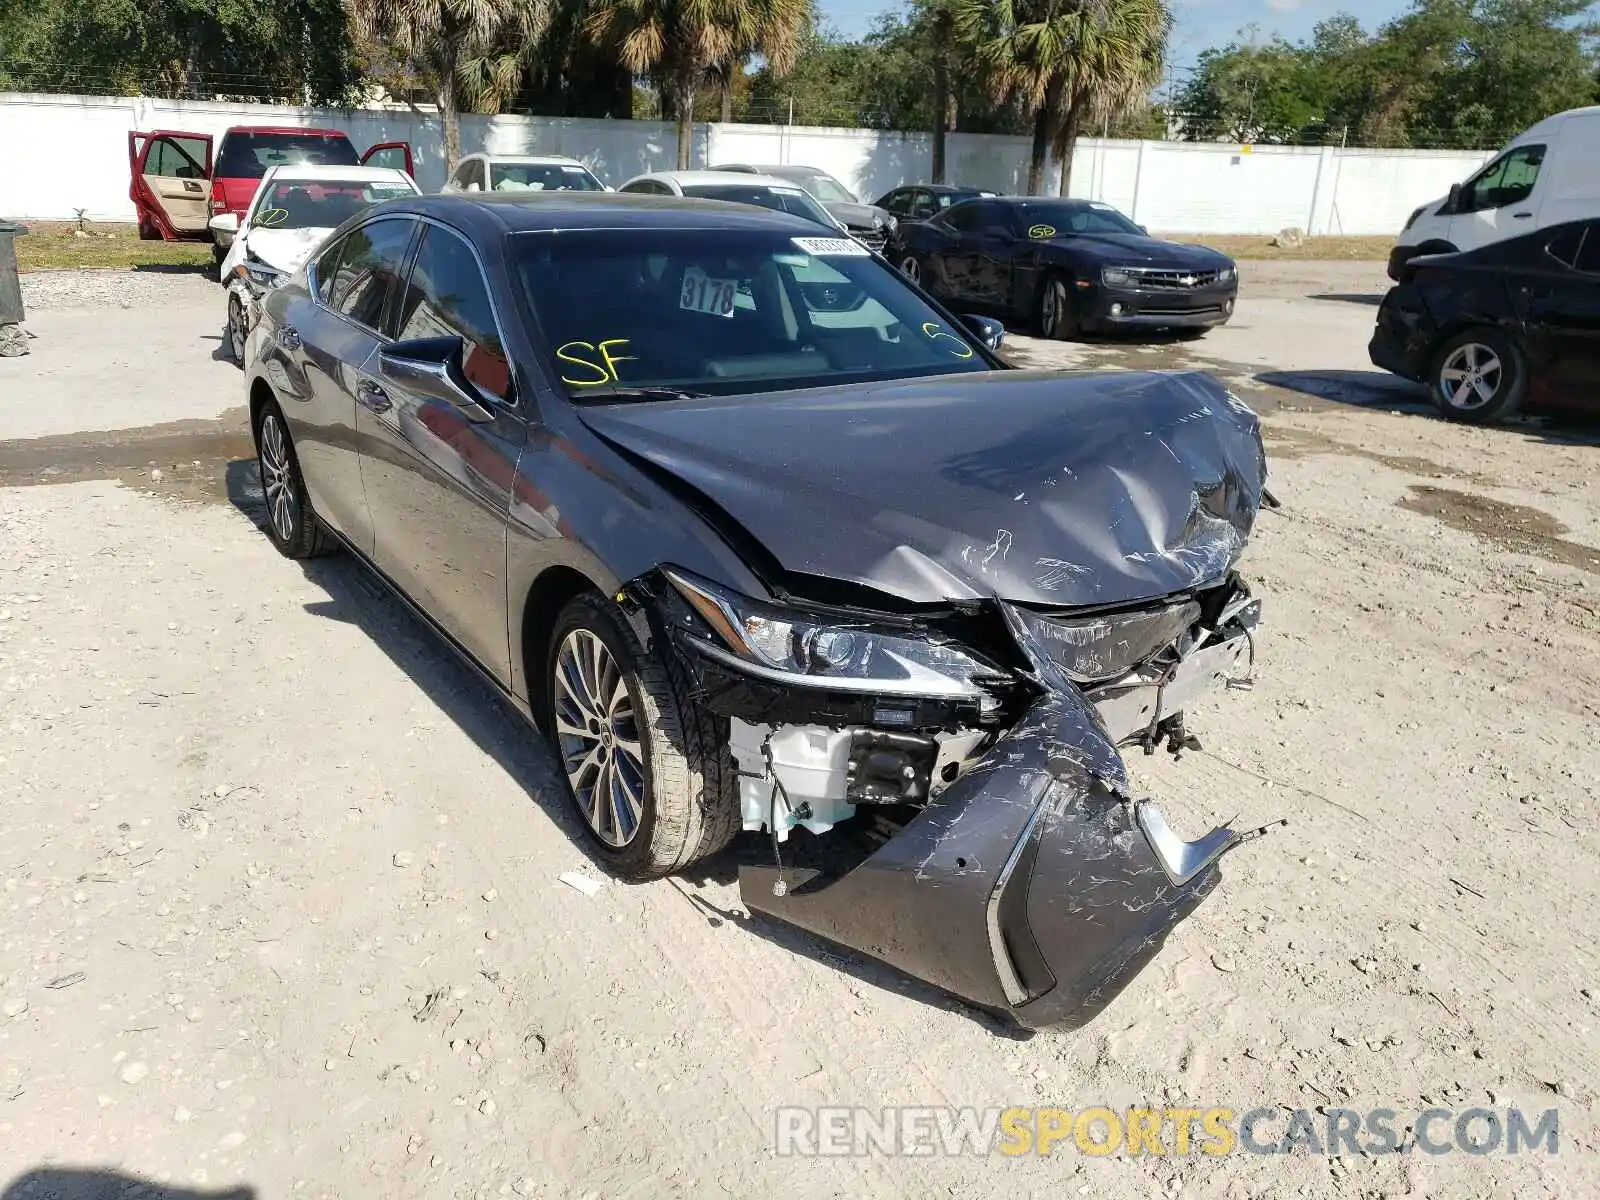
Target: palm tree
(684, 44)
(1116, 66)
(467, 51)
(1059, 56)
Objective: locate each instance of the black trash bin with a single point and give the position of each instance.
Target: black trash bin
(12, 340)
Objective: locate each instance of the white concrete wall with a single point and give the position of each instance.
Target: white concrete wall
(62, 153)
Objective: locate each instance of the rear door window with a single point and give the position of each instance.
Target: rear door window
(448, 297)
(964, 218)
(369, 265)
(1588, 260)
(248, 155)
(176, 158)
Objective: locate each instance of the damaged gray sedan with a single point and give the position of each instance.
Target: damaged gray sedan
(764, 539)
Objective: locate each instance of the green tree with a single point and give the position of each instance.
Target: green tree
(1055, 56)
(199, 49)
(1117, 63)
(682, 44)
(470, 53)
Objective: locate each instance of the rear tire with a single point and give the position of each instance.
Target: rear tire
(1056, 318)
(1478, 376)
(292, 523)
(626, 725)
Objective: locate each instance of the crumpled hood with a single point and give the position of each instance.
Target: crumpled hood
(1132, 250)
(858, 216)
(285, 249)
(1042, 488)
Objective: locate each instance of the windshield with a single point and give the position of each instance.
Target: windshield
(726, 311)
(789, 200)
(1069, 217)
(829, 190)
(542, 177)
(320, 203)
(248, 155)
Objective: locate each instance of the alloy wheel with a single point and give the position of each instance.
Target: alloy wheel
(598, 732)
(236, 329)
(1054, 300)
(277, 478)
(911, 269)
(1470, 376)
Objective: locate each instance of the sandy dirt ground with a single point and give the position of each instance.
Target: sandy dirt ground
(281, 907)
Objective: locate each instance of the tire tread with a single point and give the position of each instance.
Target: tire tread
(693, 781)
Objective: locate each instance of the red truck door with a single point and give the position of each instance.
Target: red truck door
(170, 184)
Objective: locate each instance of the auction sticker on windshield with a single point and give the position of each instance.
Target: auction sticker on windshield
(703, 294)
(1042, 231)
(822, 247)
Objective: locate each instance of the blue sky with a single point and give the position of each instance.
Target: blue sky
(1200, 23)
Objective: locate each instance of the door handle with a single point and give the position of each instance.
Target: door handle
(289, 337)
(1521, 216)
(372, 397)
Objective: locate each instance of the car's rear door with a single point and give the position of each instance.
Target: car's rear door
(1562, 315)
(171, 183)
(334, 341)
(438, 476)
(389, 154)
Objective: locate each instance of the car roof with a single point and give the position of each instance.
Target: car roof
(314, 171)
(704, 178)
(292, 129)
(530, 159)
(781, 169)
(491, 213)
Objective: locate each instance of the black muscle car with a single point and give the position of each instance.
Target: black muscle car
(1066, 266)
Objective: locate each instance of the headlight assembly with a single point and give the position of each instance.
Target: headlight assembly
(260, 274)
(1115, 277)
(809, 651)
(1225, 275)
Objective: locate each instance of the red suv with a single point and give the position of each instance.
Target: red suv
(177, 188)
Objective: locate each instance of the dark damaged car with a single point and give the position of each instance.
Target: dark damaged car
(763, 539)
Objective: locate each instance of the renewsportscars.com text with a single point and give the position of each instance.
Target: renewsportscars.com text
(1135, 1132)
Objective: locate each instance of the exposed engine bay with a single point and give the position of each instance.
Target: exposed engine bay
(1006, 858)
(1138, 670)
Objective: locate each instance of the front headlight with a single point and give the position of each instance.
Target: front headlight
(1098, 648)
(811, 651)
(1412, 219)
(259, 273)
(1115, 277)
(1225, 275)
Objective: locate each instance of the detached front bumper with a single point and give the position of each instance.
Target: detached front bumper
(1101, 307)
(1029, 887)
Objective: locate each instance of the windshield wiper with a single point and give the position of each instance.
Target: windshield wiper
(644, 393)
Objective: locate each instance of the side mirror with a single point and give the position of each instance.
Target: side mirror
(1143, 229)
(432, 367)
(224, 223)
(1454, 201)
(990, 332)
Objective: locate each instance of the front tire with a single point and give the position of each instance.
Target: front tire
(236, 333)
(1478, 376)
(1057, 318)
(647, 768)
(292, 524)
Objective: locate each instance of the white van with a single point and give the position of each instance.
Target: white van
(1544, 176)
